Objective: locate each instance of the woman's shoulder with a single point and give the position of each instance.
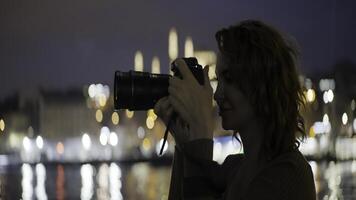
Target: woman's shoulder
(289, 174)
(287, 165)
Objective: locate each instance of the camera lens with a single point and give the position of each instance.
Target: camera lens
(139, 90)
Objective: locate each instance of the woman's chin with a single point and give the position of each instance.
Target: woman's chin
(229, 124)
(226, 125)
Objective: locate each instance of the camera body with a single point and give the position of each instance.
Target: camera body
(135, 90)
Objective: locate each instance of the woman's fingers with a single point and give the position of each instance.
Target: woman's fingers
(206, 77)
(180, 109)
(184, 70)
(163, 109)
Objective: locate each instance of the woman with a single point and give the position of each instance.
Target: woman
(259, 97)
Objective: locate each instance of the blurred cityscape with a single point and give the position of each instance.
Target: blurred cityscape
(72, 144)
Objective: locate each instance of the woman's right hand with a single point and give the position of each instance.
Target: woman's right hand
(178, 128)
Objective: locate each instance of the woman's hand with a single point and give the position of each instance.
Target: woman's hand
(192, 102)
(178, 128)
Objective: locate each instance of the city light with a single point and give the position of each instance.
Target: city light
(27, 179)
(102, 100)
(129, 114)
(188, 47)
(327, 84)
(103, 182)
(344, 119)
(60, 148)
(156, 68)
(26, 142)
(41, 179)
(146, 145)
(104, 135)
(325, 119)
(92, 90)
(140, 132)
(86, 141)
(115, 118)
(103, 139)
(99, 93)
(326, 123)
(311, 132)
(353, 104)
(115, 182)
(173, 44)
(139, 61)
(320, 128)
(310, 95)
(328, 96)
(113, 140)
(151, 113)
(2, 125)
(87, 173)
(325, 97)
(39, 142)
(150, 122)
(308, 83)
(99, 115)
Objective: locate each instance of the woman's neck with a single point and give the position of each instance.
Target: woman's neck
(252, 136)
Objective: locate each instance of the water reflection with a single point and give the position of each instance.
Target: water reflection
(41, 179)
(86, 172)
(60, 190)
(27, 176)
(102, 181)
(115, 182)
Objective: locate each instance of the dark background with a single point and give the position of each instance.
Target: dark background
(68, 43)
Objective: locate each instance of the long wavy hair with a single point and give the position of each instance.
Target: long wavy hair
(263, 65)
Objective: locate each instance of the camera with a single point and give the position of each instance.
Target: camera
(135, 90)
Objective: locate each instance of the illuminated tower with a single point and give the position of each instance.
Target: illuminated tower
(188, 47)
(138, 61)
(172, 45)
(156, 68)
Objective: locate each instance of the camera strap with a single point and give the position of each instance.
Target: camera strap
(165, 137)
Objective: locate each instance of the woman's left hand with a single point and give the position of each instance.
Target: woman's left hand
(192, 101)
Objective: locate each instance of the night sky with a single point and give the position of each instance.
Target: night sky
(69, 43)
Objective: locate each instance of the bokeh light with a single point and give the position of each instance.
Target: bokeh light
(39, 142)
(99, 115)
(2, 125)
(188, 47)
(141, 132)
(60, 148)
(26, 142)
(113, 139)
(173, 44)
(156, 68)
(139, 61)
(129, 114)
(344, 118)
(150, 122)
(151, 113)
(115, 118)
(86, 142)
(104, 135)
(310, 95)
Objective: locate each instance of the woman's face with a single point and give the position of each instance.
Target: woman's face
(234, 108)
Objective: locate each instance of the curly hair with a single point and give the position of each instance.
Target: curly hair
(256, 51)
